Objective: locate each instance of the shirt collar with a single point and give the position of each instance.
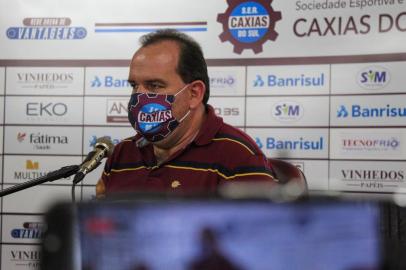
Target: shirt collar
(207, 131)
(209, 128)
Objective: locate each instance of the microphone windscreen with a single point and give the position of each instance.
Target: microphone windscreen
(105, 142)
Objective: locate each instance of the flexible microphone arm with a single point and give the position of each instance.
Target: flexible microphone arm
(63, 172)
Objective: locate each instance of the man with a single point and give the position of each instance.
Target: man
(181, 146)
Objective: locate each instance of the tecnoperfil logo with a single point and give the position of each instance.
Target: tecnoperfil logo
(287, 111)
(46, 29)
(248, 25)
(109, 82)
(221, 82)
(368, 144)
(373, 77)
(358, 111)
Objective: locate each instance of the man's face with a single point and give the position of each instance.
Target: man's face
(153, 70)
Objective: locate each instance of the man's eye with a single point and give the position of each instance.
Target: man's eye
(154, 86)
(133, 84)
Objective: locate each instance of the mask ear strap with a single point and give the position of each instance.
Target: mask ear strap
(181, 90)
(183, 118)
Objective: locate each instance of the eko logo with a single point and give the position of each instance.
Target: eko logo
(373, 77)
(46, 109)
(357, 111)
(248, 25)
(109, 82)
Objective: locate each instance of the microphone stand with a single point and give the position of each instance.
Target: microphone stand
(63, 172)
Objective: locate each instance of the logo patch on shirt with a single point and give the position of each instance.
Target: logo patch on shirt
(175, 184)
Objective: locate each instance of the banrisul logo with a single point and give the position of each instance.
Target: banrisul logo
(46, 29)
(358, 111)
(249, 24)
(109, 82)
(272, 143)
(373, 77)
(287, 111)
(273, 80)
(93, 140)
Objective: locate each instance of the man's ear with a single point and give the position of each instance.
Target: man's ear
(197, 90)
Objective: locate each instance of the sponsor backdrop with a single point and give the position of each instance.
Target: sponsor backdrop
(319, 83)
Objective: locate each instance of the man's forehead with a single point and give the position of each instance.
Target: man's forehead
(155, 61)
(163, 52)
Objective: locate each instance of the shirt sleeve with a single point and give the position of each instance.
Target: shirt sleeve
(253, 167)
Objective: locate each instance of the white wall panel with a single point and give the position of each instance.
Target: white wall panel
(37, 199)
(291, 143)
(368, 78)
(368, 176)
(26, 229)
(363, 143)
(2, 76)
(106, 111)
(107, 81)
(59, 81)
(21, 168)
(227, 81)
(231, 109)
(116, 134)
(1, 139)
(287, 111)
(20, 257)
(1, 109)
(43, 140)
(368, 110)
(44, 110)
(315, 171)
(288, 80)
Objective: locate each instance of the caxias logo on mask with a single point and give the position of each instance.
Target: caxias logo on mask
(152, 115)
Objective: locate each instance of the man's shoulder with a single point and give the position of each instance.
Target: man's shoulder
(124, 145)
(235, 140)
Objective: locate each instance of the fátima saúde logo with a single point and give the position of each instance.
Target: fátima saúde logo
(249, 24)
(46, 29)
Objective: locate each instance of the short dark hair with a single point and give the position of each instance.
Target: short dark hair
(192, 65)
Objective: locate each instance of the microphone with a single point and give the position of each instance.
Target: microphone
(103, 148)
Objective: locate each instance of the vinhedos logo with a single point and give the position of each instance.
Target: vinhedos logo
(249, 24)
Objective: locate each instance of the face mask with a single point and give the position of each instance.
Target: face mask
(151, 115)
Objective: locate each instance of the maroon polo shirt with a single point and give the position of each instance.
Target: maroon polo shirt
(219, 154)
